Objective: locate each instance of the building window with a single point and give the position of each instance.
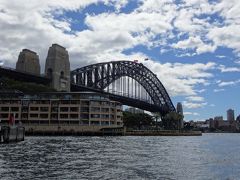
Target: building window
(95, 115)
(105, 103)
(95, 109)
(33, 108)
(84, 116)
(85, 103)
(95, 103)
(105, 116)
(106, 110)
(104, 123)
(54, 109)
(64, 116)
(73, 116)
(95, 122)
(43, 116)
(44, 109)
(74, 102)
(73, 109)
(85, 109)
(14, 109)
(4, 115)
(33, 115)
(5, 109)
(64, 109)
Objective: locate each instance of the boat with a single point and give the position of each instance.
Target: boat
(12, 134)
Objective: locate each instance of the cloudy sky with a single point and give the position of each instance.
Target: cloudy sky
(192, 45)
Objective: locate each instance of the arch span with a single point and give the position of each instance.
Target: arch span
(99, 76)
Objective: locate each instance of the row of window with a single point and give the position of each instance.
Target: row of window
(62, 116)
(57, 102)
(55, 109)
(82, 122)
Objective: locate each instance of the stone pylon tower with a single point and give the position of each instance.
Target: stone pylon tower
(28, 61)
(57, 68)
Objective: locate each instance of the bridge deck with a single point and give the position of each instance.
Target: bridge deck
(23, 76)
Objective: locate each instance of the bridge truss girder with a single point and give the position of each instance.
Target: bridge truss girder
(101, 75)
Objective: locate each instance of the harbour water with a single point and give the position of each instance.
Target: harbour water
(211, 156)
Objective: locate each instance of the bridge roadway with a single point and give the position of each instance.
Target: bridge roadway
(124, 100)
(23, 76)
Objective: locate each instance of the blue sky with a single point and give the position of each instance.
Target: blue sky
(192, 45)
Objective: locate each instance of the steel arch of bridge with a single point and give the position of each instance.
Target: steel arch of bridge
(99, 76)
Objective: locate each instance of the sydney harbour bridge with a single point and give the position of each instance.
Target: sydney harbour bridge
(128, 82)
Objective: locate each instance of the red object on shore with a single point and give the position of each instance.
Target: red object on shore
(11, 120)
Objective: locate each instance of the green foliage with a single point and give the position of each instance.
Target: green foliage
(172, 120)
(25, 87)
(137, 121)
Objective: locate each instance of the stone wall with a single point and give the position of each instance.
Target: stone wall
(57, 67)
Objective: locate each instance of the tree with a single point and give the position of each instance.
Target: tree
(172, 120)
(25, 87)
(137, 121)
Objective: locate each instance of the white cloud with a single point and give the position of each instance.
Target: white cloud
(201, 90)
(237, 62)
(195, 98)
(227, 83)
(218, 90)
(191, 113)
(195, 43)
(181, 79)
(192, 105)
(224, 69)
(220, 56)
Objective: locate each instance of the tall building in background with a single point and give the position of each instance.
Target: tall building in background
(179, 108)
(57, 68)
(180, 111)
(230, 115)
(28, 61)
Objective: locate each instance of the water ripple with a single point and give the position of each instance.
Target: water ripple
(212, 156)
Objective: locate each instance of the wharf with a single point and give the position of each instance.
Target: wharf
(85, 130)
(162, 133)
(72, 130)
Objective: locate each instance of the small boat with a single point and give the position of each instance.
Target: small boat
(12, 134)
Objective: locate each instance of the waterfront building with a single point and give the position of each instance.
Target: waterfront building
(62, 109)
(28, 61)
(218, 118)
(211, 123)
(230, 115)
(220, 124)
(238, 118)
